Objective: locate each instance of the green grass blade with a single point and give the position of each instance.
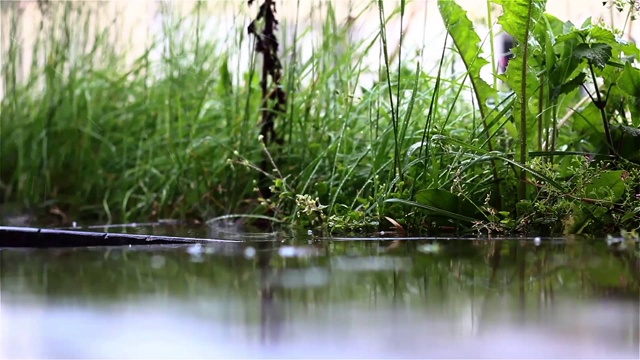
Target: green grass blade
(436, 210)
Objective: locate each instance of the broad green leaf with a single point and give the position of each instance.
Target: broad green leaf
(592, 34)
(607, 186)
(610, 74)
(630, 49)
(569, 86)
(583, 215)
(587, 24)
(554, 26)
(520, 17)
(600, 34)
(627, 141)
(597, 53)
(550, 54)
(567, 65)
(571, 33)
(461, 30)
(446, 200)
(442, 199)
(629, 81)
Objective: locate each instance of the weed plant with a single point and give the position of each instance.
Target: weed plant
(552, 146)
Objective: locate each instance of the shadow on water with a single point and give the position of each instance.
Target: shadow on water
(271, 296)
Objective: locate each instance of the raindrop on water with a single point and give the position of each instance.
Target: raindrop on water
(287, 251)
(249, 252)
(195, 250)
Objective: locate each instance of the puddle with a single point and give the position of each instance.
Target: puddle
(306, 298)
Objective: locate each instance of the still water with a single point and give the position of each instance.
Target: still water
(266, 296)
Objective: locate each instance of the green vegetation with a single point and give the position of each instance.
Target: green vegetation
(551, 147)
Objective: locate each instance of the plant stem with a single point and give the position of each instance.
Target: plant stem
(601, 104)
(394, 114)
(553, 131)
(522, 190)
(491, 41)
(541, 104)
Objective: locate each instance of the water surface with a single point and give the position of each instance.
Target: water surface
(272, 297)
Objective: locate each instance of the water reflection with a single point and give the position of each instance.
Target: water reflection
(471, 299)
(147, 330)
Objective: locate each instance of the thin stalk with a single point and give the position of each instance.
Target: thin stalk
(394, 114)
(492, 43)
(293, 71)
(432, 109)
(601, 104)
(522, 189)
(197, 47)
(399, 92)
(541, 110)
(554, 130)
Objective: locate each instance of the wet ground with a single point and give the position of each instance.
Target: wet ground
(273, 296)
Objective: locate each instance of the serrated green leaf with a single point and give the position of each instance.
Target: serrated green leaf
(597, 53)
(520, 17)
(571, 33)
(467, 41)
(600, 34)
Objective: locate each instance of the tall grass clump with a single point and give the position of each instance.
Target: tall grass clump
(89, 133)
(394, 144)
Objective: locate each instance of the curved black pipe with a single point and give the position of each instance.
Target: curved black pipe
(26, 237)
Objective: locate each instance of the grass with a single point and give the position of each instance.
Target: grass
(173, 132)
